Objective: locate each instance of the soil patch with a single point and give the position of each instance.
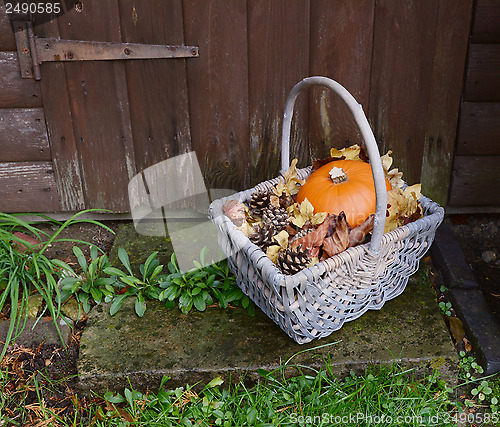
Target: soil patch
(479, 238)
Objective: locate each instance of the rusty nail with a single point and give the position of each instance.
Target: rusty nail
(127, 51)
(193, 51)
(70, 55)
(25, 50)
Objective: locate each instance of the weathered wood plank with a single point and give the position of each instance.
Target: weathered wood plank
(157, 88)
(99, 109)
(16, 92)
(450, 51)
(401, 79)
(7, 39)
(341, 48)
(278, 37)
(483, 73)
(23, 136)
(57, 110)
(218, 90)
(486, 26)
(28, 187)
(479, 129)
(476, 180)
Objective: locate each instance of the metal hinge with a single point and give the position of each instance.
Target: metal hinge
(33, 50)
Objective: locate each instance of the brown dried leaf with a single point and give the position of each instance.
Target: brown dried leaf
(317, 163)
(358, 233)
(313, 240)
(456, 329)
(235, 211)
(338, 240)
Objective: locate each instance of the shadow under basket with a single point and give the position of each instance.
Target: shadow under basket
(319, 299)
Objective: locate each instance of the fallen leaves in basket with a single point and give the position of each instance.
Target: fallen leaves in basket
(237, 213)
(333, 236)
(402, 206)
(303, 212)
(288, 186)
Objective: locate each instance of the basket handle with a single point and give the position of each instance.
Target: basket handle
(369, 139)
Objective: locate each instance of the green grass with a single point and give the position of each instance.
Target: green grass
(25, 272)
(383, 395)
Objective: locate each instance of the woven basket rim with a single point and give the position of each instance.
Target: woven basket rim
(436, 214)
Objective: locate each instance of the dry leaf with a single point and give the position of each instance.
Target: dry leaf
(358, 233)
(386, 161)
(456, 329)
(290, 184)
(282, 239)
(246, 228)
(305, 212)
(337, 239)
(313, 240)
(272, 252)
(350, 153)
(402, 206)
(235, 211)
(395, 178)
(317, 163)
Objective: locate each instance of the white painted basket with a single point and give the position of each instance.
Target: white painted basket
(318, 300)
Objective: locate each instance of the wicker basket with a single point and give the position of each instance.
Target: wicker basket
(318, 300)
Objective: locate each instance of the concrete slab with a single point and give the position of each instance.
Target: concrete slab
(36, 333)
(200, 346)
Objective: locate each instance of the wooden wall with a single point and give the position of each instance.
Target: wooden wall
(27, 180)
(476, 170)
(404, 61)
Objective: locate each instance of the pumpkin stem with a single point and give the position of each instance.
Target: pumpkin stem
(338, 175)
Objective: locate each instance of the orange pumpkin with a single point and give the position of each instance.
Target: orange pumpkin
(342, 185)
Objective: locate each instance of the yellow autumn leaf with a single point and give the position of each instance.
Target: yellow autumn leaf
(318, 218)
(302, 213)
(402, 204)
(245, 228)
(282, 239)
(314, 260)
(291, 173)
(272, 253)
(387, 161)
(395, 203)
(350, 153)
(305, 212)
(290, 184)
(395, 178)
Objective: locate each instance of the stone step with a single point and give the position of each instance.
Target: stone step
(198, 346)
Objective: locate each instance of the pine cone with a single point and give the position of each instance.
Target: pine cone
(277, 216)
(263, 236)
(291, 262)
(258, 202)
